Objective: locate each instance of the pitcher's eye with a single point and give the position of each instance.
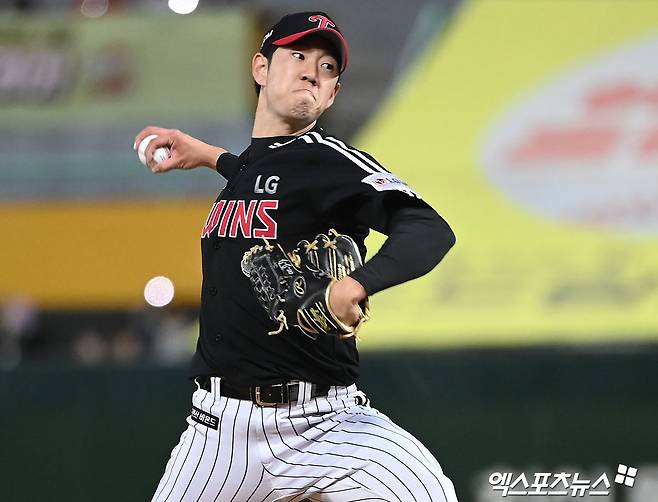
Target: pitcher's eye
(328, 66)
(298, 55)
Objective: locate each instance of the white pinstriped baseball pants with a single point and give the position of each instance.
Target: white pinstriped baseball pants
(335, 449)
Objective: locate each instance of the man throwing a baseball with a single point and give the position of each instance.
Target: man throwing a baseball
(277, 414)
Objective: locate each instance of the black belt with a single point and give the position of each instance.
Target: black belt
(263, 395)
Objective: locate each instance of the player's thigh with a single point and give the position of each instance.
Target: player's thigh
(394, 465)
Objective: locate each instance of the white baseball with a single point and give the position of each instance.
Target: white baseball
(161, 154)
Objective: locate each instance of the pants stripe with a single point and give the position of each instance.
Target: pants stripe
(338, 429)
(315, 476)
(170, 465)
(370, 460)
(308, 451)
(203, 450)
(402, 433)
(278, 475)
(246, 452)
(260, 482)
(219, 442)
(293, 463)
(184, 460)
(230, 464)
(406, 436)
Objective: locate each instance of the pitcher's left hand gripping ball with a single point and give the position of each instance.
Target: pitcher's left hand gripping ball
(294, 287)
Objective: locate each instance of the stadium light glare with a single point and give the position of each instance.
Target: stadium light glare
(159, 291)
(94, 8)
(183, 6)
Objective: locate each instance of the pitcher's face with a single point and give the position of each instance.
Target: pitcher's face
(301, 81)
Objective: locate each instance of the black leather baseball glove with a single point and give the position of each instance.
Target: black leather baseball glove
(293, 287)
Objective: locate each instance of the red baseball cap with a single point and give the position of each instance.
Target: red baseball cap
(293, 27)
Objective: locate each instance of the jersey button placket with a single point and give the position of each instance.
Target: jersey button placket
(212, 290)
(218, 337)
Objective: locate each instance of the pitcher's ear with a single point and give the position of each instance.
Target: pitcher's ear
(259, 67)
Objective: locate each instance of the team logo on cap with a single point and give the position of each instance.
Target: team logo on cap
(323, 21)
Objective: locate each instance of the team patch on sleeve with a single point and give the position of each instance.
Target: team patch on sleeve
(387, 181)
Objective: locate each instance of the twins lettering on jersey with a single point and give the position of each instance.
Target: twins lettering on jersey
(253, 219)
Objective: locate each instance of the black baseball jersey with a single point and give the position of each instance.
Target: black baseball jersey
(286, 189)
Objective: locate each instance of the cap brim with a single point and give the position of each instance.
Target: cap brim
(331, 35)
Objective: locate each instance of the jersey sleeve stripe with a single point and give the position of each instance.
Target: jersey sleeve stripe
(356, 152)
(344, 152)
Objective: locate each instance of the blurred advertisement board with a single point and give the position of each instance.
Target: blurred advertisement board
(70, 69)
(532, 128)
(74, 91)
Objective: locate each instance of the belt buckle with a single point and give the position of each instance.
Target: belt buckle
(266, 404)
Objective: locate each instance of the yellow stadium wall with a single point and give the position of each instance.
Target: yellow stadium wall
(100, 254)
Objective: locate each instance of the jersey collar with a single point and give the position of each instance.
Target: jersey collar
(260, 147)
